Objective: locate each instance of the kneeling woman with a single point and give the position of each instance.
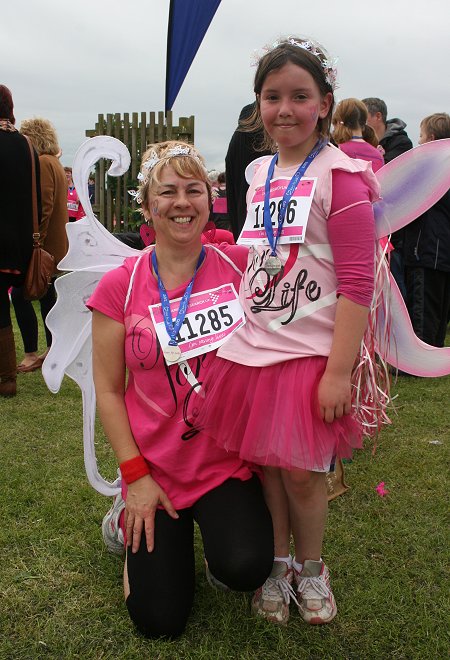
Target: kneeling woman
(160, 317)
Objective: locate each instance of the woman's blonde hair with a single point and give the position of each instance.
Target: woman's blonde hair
(350, 115)
(184, 158)
(42, 135)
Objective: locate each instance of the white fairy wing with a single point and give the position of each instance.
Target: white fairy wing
(252, 168)
(411, 184)
(71, 354)
(92, 252)
(70, 324)
(90, 243)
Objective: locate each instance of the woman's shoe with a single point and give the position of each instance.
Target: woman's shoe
(44, 354)
(7, 362)
(8, 387)
(33, 366)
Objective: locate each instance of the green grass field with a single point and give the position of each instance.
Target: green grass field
(61, 592)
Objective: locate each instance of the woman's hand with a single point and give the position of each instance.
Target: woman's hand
(143, 498)
(334, 395)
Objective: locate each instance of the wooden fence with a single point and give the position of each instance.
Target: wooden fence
(113, 206)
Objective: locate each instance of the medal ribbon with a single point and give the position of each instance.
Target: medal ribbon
(171, 327)
(273, 241)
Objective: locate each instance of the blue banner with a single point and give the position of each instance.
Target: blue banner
(188, 22)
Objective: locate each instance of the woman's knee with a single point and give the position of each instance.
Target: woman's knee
(161, 584)
(156, 622)
(244, 569)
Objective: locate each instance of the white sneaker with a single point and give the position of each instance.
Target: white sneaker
(316, 602)
(271, 601)
(111, 531)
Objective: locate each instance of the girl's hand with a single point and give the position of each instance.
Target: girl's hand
(143, 498)
(334, 395)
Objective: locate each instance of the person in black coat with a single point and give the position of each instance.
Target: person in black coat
(16, 228)
(427, 255)
(243, 148)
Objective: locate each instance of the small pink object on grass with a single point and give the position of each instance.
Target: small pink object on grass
(381, 490)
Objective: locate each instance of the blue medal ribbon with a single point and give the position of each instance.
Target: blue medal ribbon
(171, 327)
(273, 241)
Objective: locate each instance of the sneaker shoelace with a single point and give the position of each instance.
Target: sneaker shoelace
(272, 588)
(311, 587)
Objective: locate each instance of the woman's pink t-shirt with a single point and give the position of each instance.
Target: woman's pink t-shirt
(159, 400)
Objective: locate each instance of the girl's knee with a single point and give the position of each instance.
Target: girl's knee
(271, 476)
(303, 480)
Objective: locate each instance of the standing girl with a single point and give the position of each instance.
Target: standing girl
(306, 293)
(354, 135)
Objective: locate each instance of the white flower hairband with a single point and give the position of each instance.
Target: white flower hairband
(327, 63)
(154, 159)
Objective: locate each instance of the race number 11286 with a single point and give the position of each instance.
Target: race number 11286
(289, 218)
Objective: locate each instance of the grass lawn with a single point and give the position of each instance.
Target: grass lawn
(61, 593)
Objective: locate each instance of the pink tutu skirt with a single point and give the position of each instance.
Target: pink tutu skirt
(270, 415)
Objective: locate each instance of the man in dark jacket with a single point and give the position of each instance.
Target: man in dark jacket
(427, 255)
(394, 141)
(391, 133)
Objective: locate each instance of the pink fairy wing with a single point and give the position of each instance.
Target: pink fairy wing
(401, 347)
(411, 184)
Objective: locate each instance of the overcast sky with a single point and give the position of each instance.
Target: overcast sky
(70, 62)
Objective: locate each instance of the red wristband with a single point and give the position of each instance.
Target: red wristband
(134, 469)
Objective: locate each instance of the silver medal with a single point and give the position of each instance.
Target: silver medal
(272, 265)
(171, 353)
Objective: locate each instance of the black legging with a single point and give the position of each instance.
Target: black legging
(7, 280)
(237, 535)
(26, 316)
